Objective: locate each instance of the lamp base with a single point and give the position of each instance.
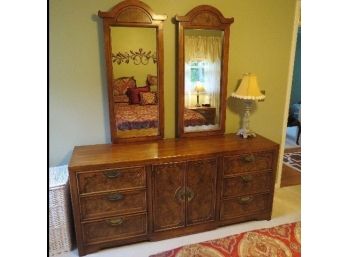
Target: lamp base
(245, 133)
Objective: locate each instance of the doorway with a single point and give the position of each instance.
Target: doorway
(293, 94)
(293, 131)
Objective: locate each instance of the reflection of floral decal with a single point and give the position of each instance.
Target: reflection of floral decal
(138, 57)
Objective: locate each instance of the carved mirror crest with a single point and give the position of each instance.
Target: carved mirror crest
(203, 45)
(133, 44)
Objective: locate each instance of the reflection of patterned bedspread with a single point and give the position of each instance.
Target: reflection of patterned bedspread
(136, 116)
(193, 118)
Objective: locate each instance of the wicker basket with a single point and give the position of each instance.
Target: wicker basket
(59, 211)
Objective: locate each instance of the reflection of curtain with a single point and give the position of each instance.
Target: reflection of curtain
(202, 47)
(189, 87)
(205, 49)
(212, 84)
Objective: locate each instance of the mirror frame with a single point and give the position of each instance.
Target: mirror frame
(133, 13)
(202, 17)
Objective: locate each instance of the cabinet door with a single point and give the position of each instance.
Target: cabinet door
(169, 196)
(201, 190)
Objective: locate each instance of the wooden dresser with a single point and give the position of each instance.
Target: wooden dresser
(131, 192)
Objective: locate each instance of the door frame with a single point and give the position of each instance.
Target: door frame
(297, 23)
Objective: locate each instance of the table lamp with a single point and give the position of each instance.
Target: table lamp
(199, 88)
(248, 91)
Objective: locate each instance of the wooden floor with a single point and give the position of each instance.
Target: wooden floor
(290, 177)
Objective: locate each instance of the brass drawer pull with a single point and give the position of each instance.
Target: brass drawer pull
(190, 194)
(115, 197)
(180, 194)
(247, 178)
(249, 158)
(245, 199)
(197, 163)
(114, 222)
(112, 174)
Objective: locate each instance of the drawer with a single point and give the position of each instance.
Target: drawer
(250, 183)
(247, 162)
(112, 204)
(115, 228)
(244, 205)
(112, 179)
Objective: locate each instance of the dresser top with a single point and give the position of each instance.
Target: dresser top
(108, 154)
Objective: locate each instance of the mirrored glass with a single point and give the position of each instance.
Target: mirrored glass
(135, 87)
(203, 59)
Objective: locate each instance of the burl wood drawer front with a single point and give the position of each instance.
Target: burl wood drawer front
(113, 179)
(244, 205)
(112, 204)
(121, 227)
(247, 162)
(247, 184)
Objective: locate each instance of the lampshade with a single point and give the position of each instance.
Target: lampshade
(248, 88)
(199, 88)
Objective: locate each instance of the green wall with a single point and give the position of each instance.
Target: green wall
(124, 39)
(260, 42)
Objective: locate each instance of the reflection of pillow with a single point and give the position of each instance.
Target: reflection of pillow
(121, 99)
(153, 88)
(122, 84)
(148, 98)
(151, 80)
(134, 94)
(121, 104)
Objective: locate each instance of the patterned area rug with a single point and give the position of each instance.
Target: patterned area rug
(293, 160)
(280, 241)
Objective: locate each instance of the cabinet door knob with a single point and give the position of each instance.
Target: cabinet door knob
(189, 194)
(114, 222)
(115, 197)
(112, 174)
(180, 194)
(197, 163)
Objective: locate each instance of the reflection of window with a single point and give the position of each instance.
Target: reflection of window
(197, 71)
(204, 72)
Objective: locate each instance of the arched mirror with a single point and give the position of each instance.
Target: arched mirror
(133, 43)
(203, 43)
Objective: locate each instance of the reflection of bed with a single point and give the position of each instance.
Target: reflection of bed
(136, 116)
(193, 118)
(136, 108)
